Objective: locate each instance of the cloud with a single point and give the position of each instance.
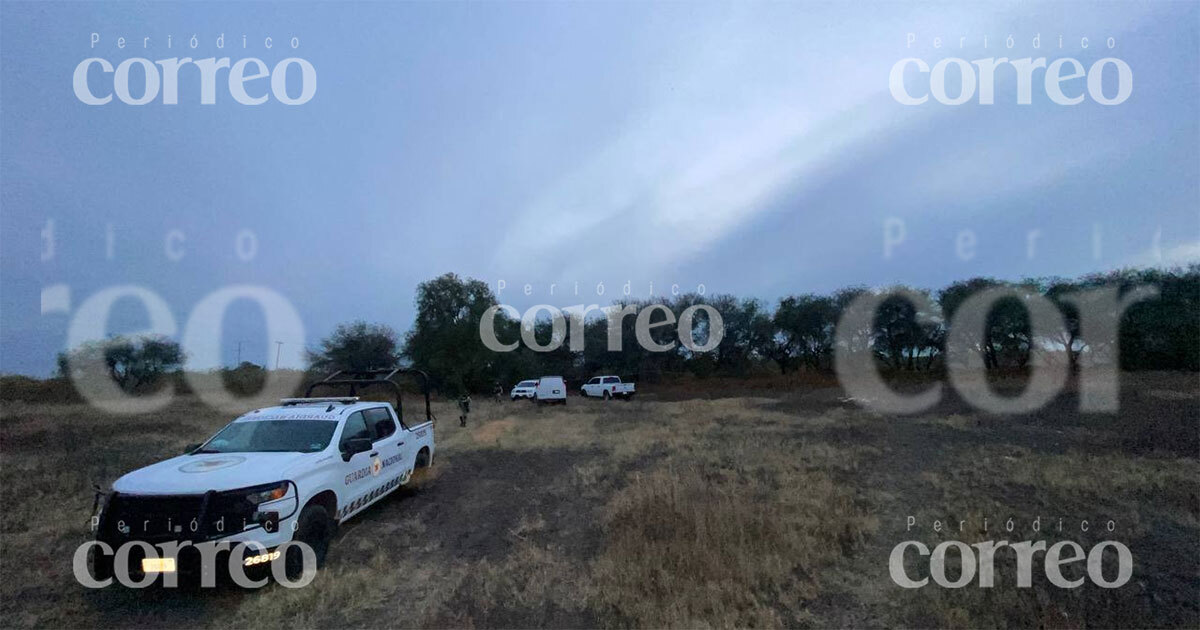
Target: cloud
(746, 125)
(1177, 256)
(677, 182)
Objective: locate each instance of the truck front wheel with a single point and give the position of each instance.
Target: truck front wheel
(315, 529)
(103, 565)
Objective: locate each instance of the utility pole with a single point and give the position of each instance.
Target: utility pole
(278, 348)
(239, 361)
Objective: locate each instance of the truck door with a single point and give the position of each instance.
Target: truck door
(358, 482)
(394, 447)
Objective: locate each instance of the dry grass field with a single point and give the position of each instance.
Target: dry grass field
(768, 508)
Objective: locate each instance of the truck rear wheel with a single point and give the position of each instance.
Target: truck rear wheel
(606, 395)
(315, 529)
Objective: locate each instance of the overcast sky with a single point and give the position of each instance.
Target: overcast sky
(751, 148)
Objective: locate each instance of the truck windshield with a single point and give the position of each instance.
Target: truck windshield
(303, 436)
(527, 384)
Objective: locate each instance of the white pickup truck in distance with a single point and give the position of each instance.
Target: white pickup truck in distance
(524, 389)
(607, 387)
(290, 472)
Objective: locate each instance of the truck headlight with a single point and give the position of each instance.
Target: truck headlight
(269, 493)
(266, 503)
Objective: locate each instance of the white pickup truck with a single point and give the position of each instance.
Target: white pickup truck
(273, 475)
(607, 387)
(524, 389)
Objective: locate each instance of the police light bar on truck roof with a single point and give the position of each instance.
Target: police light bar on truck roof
(347, 400)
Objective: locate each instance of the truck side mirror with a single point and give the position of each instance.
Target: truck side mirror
(354, 446)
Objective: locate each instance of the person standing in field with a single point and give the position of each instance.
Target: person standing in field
(497, 391)
(464, 408)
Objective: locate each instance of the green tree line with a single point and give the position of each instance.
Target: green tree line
(796, 333)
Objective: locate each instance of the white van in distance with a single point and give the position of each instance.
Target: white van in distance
(551, 389)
